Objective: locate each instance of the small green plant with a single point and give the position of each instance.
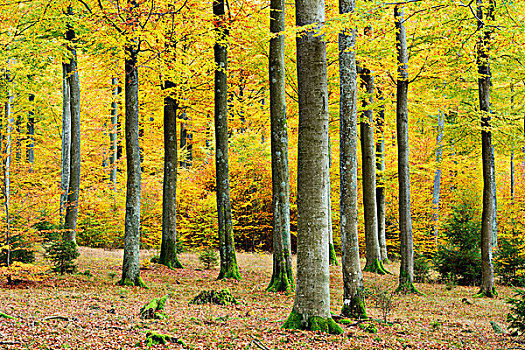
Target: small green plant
(422, 269)
(62, 255)
(516, 316)
(209, 258)
(460, 258)
(509, 262)
(435, 325)
(385, 300)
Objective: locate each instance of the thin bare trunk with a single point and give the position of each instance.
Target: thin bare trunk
(282, 276)
(437, 176)
(229, 268)
(353, 287)
(113, 133)
(406, 273)
(488, 213)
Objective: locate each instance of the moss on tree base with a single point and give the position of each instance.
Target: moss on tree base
(281, 283)
(355, 309)
(408, 288)
(174, 264)
(377, 267)
(332, 258)
(312, 323)
(491, 294)
(231, 273)
(128, 282)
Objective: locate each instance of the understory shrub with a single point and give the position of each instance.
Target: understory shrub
(209, 258)
(459, 260)
(516, 316)
(62, 255)
(422, 268)
(509, 261)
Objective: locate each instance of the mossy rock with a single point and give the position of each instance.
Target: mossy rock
(154, 338)
(368, 327)
(154, 309)
(223, 297)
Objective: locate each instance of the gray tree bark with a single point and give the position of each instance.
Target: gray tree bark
(353, 287)
(229, 268)
(437, 176)
(113, 133)
(130, 266)
(311, 308)
(488, 213)
(332, 256)
(406, 273)
(70, 219)
(373, 252)
(66, 141)
(282, 276)
(380, 180)
(168, 248)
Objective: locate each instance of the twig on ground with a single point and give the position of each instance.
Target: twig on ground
(58, 317)
(10, 342)
(258, 344)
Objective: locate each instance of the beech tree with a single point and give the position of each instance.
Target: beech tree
(380, 180)
(353, 287)
(229, 268)
(406, 272)
(282, 276)
(113, 134)
(311, 308)
(485, 12)
(373, 253)
(71, 137)
(168, 248)
(130, 266)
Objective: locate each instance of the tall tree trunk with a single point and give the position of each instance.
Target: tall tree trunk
(373, 252)
(282, 276)
(7, 162)
(512, 177)
(488, 213)
(31, 131)
(168, 248)
(332, 256)
(66, 140)
(184, 146)
(406, 273)
(70, 220)
(353, 287)
(113, 133)
(437, 176)
(130, 266)
(311, 308)
(380, 180)
(229, 268)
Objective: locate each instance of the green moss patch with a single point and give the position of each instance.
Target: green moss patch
(154, 309)
(154, 338)
(222, 297)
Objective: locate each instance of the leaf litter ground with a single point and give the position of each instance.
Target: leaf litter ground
(95, 313)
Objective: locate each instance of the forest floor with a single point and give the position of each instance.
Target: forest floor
(98, 314)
